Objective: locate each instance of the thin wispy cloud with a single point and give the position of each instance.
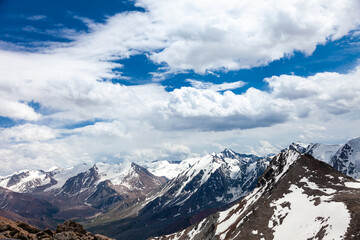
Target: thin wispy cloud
(36, 17)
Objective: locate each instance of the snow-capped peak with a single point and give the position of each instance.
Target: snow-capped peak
(227, 152)
(25, 181)
(61, 175)
(113, 172)
(231, 171)
(344, 158)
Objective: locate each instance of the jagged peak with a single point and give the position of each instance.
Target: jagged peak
(279, 165)
(227, 152)
(299, 146)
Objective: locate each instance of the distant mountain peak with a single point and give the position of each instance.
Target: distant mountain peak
(343, 157)
(227, 152)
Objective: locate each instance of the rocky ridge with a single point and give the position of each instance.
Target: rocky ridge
(69, 230)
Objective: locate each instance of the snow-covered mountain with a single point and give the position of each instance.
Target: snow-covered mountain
(208, 183)
(83, 176)
(105, 184)
(298, 197)
(39, 180)
(84, 190)
(213, 179)
(344, 158)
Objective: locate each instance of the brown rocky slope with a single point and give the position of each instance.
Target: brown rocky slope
(68, 230)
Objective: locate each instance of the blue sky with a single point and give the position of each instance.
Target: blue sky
(87, 80)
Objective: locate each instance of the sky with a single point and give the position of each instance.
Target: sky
(145, 80)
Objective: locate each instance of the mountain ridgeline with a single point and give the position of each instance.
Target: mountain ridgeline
(108, 198)
(306, 187)
(298, 197)
(207, 185)
(343, 157)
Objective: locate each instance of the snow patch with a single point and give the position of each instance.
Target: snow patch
(296, 215)
(352, 184)
(314, 186)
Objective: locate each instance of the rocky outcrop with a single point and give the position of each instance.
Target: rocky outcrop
(66, 231)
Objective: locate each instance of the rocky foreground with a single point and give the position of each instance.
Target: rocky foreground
(66, 231)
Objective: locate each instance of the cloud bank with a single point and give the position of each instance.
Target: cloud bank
(71, 82)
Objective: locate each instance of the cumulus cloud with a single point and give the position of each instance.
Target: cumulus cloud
(290, 97)
(214, 34)
(26, 133)
(72, 87)
(71, 81)
(17, 110)
(330, 93)
(210, 110)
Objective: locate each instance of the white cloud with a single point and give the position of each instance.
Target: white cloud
(17, 110)
(213, 34)
(207, 35)
(290, 98)
(191, 108)
(165, 151)
(102, 129)
(264, 148)
(27, 132)
(35, 155)
(70, 81)
(67, 33)
(36, 17)
(330, 93)
(216, 87)
(148, 123)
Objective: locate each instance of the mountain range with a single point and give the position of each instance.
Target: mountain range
(210, 183)
(297, 197)
(223, 195)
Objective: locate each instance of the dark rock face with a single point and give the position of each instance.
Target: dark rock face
(104, 196)
(340, 161)
(16, 178)
(81, 181)
(68, 231)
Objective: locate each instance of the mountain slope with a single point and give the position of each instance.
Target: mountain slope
(298, 197)
(20, 206)
(213, 180)
(210, 183)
